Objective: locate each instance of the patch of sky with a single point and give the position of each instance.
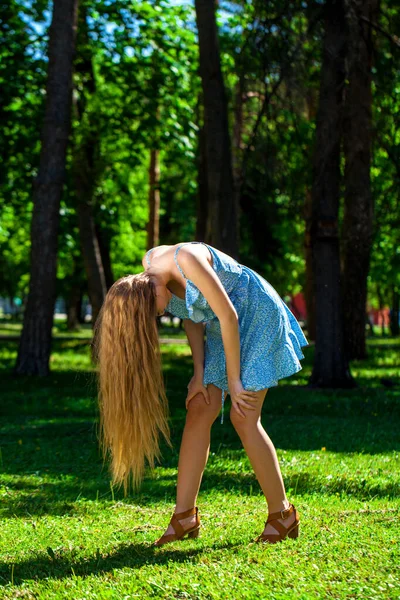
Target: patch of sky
(229, 8)
(129, 51)
(37, 29)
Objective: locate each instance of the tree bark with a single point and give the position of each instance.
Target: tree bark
(309, 288)
(381, 309)
(202, 187)
(74, 304)
(104, 247)
(330, 367)
(222, 222)
(357, 231)
(85, 175)
(97, 288)
(72, 290)
(35, 342)
(237, 154)
(153, 225)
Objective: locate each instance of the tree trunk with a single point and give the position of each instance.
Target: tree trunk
(104, 246)
(202, 188)
(222, 222)
(237, 158)
(74, 304)
(381, 307)
(153, 226)
(35, 342)
(309, 289)
(73, 288)
(357, 231)
(84, 172)
(97, 288)
(330, 364)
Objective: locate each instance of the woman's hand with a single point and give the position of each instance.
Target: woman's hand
(194, 387)
(241, 397)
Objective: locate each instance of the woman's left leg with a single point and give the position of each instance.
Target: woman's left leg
(263, 458)
(194, 451)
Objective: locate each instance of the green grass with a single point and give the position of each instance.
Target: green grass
(66, 534)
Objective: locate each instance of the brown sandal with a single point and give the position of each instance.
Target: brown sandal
(180, 532)
(292, 531)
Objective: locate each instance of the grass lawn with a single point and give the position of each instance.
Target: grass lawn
(66, 534)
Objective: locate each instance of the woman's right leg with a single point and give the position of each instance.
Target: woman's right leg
(194, 450)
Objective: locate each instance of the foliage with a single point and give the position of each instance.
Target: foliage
(142, 91)
(385, 260)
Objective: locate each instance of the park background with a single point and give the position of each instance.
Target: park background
(270, 131)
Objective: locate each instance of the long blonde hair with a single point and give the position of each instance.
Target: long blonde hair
(131, 392)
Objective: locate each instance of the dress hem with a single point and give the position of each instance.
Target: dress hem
(258, 387)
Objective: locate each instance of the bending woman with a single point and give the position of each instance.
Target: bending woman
(252, 341)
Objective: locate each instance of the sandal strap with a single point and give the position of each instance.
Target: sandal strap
(187, 513)
(281, 514)
(179, 530)
(282, 530)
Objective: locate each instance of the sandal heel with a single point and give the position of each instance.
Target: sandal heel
(282, 531)
(295, 532)
(179, 532)
(195, 533)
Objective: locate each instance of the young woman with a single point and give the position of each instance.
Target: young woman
(252, 341)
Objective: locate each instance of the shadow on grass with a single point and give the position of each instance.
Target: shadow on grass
(26, 498)
(132, 555)
(49, 431)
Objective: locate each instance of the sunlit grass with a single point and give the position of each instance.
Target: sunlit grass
(67, 534)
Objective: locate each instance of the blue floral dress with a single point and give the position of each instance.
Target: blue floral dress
(270, 335)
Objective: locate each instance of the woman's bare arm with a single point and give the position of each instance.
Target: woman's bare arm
(200, 272)
(195, 335)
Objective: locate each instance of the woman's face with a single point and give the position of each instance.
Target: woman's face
(163, 296)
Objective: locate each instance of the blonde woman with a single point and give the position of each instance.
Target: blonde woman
(251, 341)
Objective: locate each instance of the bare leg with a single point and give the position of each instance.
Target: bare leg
(194, 451)
(262, 455)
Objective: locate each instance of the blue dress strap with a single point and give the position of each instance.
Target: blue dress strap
(176, 252)
(176, 261)
(147, 255)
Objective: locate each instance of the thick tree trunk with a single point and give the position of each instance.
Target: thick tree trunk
(357, 231)
(222, 223)
(330, 363)
(153, 225)
(35, 343)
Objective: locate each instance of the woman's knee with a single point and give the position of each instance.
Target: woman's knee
(198, 409)
(246, 425)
